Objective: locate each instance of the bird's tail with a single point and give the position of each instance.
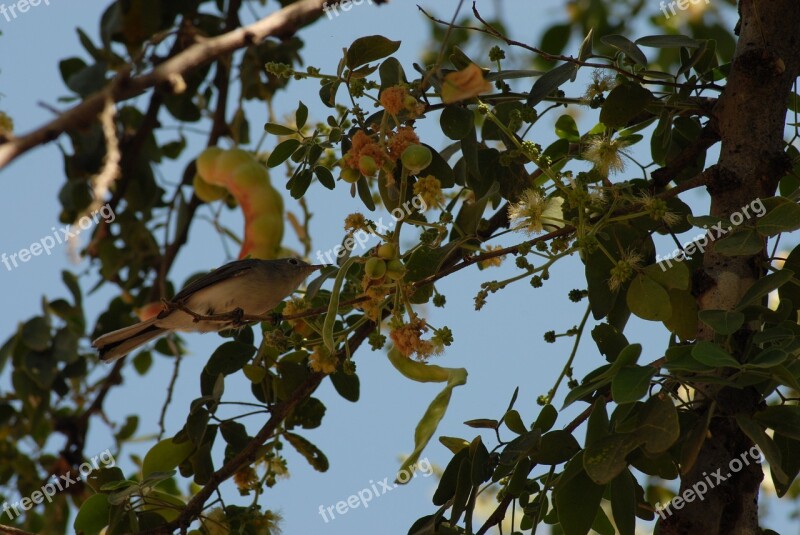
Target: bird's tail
(119, 343)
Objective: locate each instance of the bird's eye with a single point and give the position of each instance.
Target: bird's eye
(294, 262)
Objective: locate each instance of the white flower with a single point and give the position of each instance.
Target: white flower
(606, 154)
(534, 212)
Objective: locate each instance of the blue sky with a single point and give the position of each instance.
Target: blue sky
(501, 346)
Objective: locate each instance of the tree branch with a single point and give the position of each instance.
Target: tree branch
(278, 414)
(281, 24)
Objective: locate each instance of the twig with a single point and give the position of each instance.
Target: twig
(279, 412)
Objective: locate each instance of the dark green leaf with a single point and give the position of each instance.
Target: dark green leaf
(713, 355)
(550, 81)
(631, 383)
(668, 41)
(230, 357)
(626, 46)
(722, 321)
(371, 48)
(282, 151)
(625, 102)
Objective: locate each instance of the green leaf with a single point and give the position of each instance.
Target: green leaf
(791, 291)
(763, 286)
(789, 450)
(623, 502)
(606, 459)
(301, 115)
(783, 419)
(627, 47)
(166, 456)
(325, 176)
(785, 217)
(723, 322)
(312, 454)
(631, 383)
(567, 128)
(765, 444)
(371, 48)
(391, 73)
(609, 340)
(282, 151)
(456, 122)
(447, 484)
(36, 334)
(668, 41)
(229, 358)
(513, 421)
(577, 499)
(744, 242)
(585, 50)
(648, 299)
(279, 130)
(768, 358)
(550, 81)
(546, 419)
(713, 355)
(658, 424)
(683, 321)
(625, 102)
(675, 277)
(557, 446)
(482, 467)
(93, 515)
(347, 385)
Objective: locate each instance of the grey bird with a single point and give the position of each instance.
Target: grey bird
(248, 287)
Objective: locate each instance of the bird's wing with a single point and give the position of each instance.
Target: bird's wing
(230, 270)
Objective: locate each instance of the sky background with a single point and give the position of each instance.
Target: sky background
(501, 346)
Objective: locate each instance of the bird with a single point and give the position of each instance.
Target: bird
(248, 287)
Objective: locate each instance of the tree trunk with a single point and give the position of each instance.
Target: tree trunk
(750, 117)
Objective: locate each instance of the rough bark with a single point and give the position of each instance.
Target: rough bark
(751, 116)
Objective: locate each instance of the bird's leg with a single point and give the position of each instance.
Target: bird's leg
(237, 315)
(275, 318)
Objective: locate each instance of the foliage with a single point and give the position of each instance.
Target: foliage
(567, 195)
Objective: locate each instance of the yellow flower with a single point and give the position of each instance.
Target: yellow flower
(429, 189)
(491, 262)
(322, 360)
(534, 213)
(408, 339)
(245, 478)
(355, 221)
(464, 84)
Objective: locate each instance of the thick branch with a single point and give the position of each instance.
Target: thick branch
(282, 23)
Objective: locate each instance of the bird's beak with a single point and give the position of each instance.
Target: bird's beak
(318, 266)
